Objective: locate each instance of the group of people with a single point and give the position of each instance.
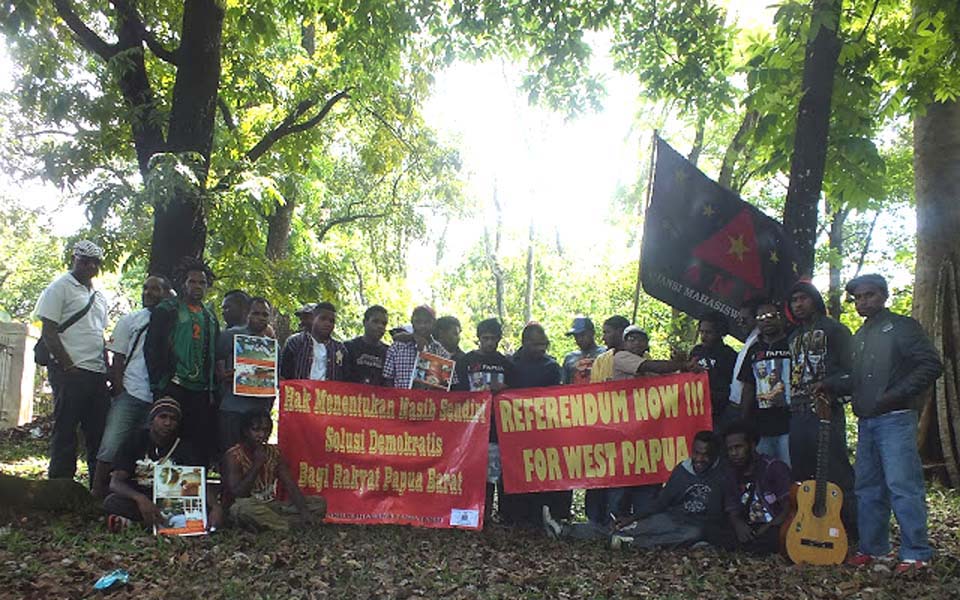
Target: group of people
(170, 376)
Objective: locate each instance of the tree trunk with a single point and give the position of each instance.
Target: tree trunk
(278, 227)
(135, 87)
(179, 225)
(936, 167)
(528, 295)
(493, 251)
(936, 164)
(837, 221)
(810, 140)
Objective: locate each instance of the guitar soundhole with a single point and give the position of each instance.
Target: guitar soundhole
(817, 544)
(806, 488)
(834, 493)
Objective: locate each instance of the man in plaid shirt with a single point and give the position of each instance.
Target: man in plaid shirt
(402, 355)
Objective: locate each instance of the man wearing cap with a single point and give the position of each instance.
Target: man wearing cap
(633, 358)
(131, 481)
(894, 362)
(305, 314)
(820, 352)
(74, 317)
(577, 364)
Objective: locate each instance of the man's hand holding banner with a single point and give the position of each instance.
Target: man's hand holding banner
(419, 457)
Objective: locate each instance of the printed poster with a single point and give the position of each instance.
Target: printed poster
(255, 366)
(432, 372)
(181, 494)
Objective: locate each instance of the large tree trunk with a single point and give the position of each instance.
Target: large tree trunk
(278, 226)
(936, 163)
(135, 87)
(837, 221)
(179, 226)
(813, 124)
(936, 167)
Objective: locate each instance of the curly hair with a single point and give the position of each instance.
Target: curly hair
(188, 264)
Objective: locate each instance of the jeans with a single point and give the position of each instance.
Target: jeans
(127, 415)
(80, 399)
(599, 504)
(889, 473)
(776, 446)
(804, 433)
(662, 530)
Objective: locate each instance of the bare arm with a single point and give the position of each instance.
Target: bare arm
(117, 367)
(241, 485)
(120, 485)
(51, 337)
(661, 367)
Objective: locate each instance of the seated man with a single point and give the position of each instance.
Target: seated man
(688, 509)
(251, 471)
(131, 481)
(756, 493)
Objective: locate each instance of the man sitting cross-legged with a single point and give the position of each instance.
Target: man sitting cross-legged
(131, 481)
(756, 494)
(688, 509)
(251, 471)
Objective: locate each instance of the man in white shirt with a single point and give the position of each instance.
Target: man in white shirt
(130, 382)
(77, 368)
(732, 412)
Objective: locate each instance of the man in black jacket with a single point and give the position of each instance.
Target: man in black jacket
(893, 364)
(820, 353)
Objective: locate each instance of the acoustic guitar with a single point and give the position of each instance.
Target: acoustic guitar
(815, 534)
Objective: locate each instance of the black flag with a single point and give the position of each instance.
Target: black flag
(706, 249)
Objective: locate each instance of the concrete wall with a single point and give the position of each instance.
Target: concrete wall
(17, 371)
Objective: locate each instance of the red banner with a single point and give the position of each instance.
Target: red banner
(620, 433)
(383, 455)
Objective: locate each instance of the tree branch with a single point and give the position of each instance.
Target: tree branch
(286, 127)
(866, 243)
(347, 219)
(289, 125)
(129, 13)
(866, 25)
(88, 38)
(227, 115)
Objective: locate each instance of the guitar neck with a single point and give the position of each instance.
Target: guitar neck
(823, 451)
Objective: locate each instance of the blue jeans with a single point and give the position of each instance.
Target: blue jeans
(776, 446)
(127, 415)
(889, 473)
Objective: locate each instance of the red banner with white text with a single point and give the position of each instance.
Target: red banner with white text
(614, 434)
(384, 455)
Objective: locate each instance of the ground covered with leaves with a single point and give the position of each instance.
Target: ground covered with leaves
(61, 556)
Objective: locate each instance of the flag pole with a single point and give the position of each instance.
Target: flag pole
(645, 206)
